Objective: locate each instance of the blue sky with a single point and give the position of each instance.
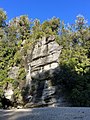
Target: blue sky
(66, 10)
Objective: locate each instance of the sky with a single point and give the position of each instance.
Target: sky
(66, 10)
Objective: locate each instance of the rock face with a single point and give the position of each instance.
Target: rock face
(8, 92)
(13, 73)
(42, 68)
(44, 57)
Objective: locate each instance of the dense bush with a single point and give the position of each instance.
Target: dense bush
(75, 62)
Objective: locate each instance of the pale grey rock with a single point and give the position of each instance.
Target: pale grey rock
(43, 40)
(53, 47)
(13, 73)
(54, 65)
(47, 67)
(48, 92)
(43, 59)
(8, 92)
(28, 75)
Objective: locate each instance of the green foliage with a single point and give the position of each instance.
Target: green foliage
(52, 25)
(3, 17)
(22, 74)
(80, 22)
(75, 64)
(3, 75)
(17, 57)
(47, 28)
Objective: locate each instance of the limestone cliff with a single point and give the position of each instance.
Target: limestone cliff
(42, 66)
(44, 57)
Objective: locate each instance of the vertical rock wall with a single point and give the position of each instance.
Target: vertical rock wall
(43, 64)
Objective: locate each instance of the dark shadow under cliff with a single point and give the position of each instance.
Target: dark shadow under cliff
(71, 89)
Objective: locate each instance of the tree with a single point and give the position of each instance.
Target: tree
(19, 29)
(81, 23)
(3, 17)
(75, 63)
(51, 26)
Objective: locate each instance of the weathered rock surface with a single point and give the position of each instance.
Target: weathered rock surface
(13, 73)
(44, 57)
(42, 67)
(7, 98)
